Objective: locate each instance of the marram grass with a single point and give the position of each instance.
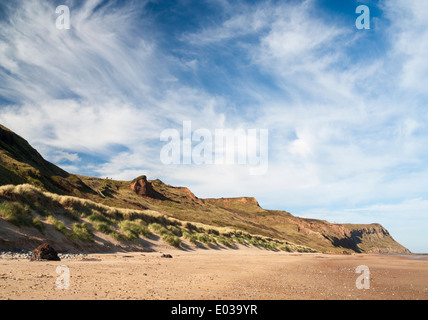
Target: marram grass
(26, 205)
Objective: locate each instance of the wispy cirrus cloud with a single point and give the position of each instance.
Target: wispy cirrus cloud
(102, 86)
(346, 125)
(346, 121)
(409, 41)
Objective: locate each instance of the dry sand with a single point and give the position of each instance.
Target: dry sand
(247, 273)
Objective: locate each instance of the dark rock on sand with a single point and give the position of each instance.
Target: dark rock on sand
(45, 252)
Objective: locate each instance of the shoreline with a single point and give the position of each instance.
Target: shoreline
(26, 254)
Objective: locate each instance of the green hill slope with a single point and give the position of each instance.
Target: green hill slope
(69, 205)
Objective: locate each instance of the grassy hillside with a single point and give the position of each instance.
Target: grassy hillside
(92, 207)
(74, 223)
(21, 163)
(243, 214)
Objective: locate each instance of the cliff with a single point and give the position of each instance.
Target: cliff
(20, 164)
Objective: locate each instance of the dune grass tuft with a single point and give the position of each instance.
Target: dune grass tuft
(59, 225)
(16, 213)
(133, 229)
(39, 225)
(83, 232)
(172, 240)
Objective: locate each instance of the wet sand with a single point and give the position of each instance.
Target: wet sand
(245, 274)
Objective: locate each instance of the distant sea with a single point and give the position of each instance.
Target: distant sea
(414, 256)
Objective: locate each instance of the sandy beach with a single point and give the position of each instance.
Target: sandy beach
(245, 274)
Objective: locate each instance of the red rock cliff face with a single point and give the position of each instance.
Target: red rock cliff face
(142, 187)
(189, 194)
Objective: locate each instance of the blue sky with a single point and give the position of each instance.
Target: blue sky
(345, 108)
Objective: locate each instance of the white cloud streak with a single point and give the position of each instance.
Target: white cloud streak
(101, 84)
(342, 134)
